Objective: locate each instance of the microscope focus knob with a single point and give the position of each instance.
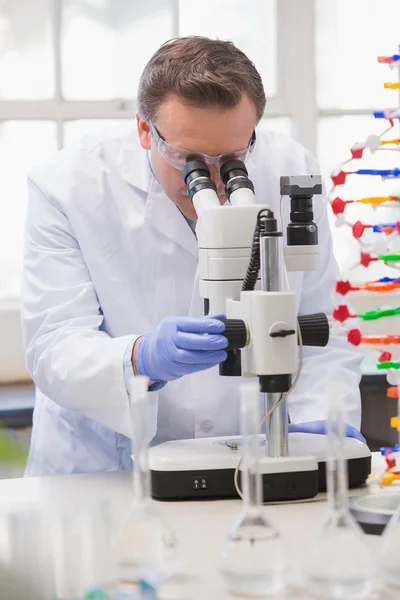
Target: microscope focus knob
(235, 332)
(314, 329)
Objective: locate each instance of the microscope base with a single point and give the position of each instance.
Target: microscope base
(204, 468)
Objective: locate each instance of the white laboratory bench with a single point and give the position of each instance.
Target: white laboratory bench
(200, 526)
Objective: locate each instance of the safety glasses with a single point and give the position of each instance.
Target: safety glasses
(178, 157)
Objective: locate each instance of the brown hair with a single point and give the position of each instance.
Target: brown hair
(202, 72)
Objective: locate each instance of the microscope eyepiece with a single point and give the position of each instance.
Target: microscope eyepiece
(197, 177)
(235, 177)
(195, 168)
(232, 168)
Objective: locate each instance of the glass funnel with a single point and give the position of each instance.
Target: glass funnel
(254, 560)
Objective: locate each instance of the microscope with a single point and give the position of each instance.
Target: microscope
(243, 266)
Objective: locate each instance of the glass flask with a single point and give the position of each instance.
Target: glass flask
(82, 562)
(145, 546)
(389, 553)
(25, 554)
(340, 565)
(254, 560)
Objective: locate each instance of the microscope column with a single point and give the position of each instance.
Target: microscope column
(273, 280)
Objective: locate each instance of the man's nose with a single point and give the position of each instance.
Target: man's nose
(216, 177)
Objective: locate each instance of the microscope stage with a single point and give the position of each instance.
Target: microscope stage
(204, 468)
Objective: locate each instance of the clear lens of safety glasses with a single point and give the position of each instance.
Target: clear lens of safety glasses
(178, 157)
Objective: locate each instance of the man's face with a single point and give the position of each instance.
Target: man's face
(211, 131)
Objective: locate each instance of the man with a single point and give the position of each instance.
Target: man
(110, 286)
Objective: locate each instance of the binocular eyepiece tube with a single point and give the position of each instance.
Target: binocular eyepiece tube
(239, 188)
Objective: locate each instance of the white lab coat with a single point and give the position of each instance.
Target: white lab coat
(107, 256)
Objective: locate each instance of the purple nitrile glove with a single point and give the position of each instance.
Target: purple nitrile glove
(179, 346)
(320, 428)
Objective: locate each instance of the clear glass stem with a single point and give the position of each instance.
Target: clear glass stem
(336, 465)
(139, 413)
(141, 474)
(251, 478)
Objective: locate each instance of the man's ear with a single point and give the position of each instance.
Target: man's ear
(144, 133)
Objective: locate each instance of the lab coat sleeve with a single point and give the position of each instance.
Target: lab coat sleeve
(339, 362)
(128, 367)
(129, 374)
(69, 357)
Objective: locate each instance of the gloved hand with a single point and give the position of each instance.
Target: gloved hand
(180, 345)
(320, 427)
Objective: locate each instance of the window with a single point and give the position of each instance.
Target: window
(349, 87)
(234, 20)
(26, 56)
(349, 37)
(70, 67)
(74, 130)
(106, 44)
(22, 143)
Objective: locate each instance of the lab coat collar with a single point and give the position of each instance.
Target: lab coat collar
(165, 216)
(160, 211)
(134, 164)
(250, 166)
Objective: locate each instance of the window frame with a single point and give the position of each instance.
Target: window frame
(287, 103)
(296, 86)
